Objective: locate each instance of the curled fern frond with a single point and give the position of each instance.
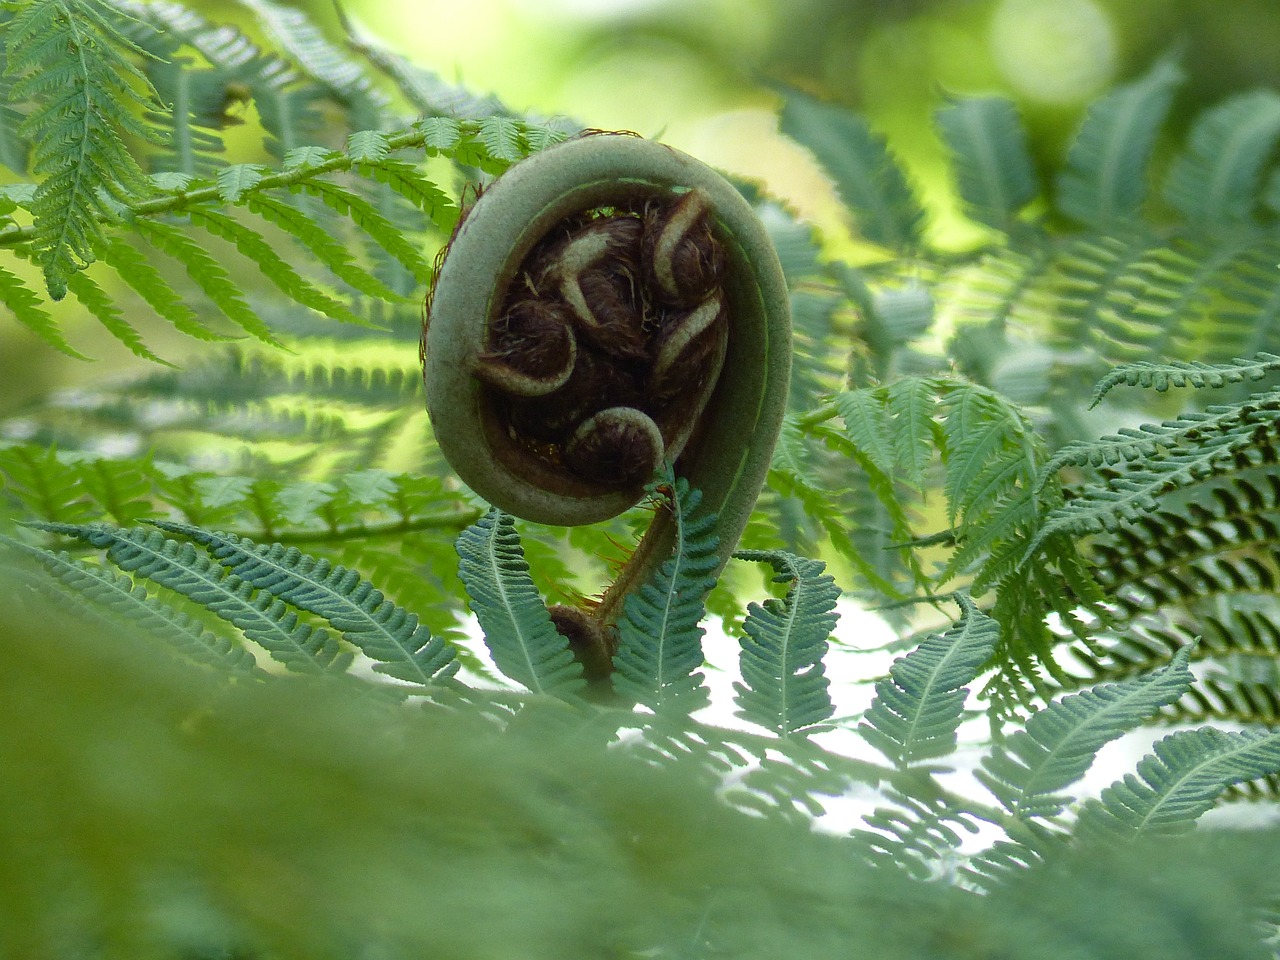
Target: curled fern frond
(517, 627)
(784, 688)
(1059, 743)
(659, 633)
(918, 707)
(78, 68)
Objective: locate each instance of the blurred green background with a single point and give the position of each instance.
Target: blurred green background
(698, 74)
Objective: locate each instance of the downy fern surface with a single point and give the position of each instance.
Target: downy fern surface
(247, 713)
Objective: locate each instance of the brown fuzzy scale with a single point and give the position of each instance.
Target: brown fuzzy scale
(532, 337)
(595, 383)
(619, 444)
(683, 261)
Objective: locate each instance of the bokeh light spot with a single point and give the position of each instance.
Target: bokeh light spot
(1055, 52)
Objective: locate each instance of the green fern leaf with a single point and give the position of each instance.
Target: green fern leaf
(1104, 181)
(783, 688)
(989, 151)
(918, 707)
(989, 449)
(440, 133)
(1179, 781)
(405, 180)
(262, 617)
(501, 137)
(1215, 180)
(238, 179)
(26, 309)
(97, 302)
(866, 421)
(116, 598)
(77, 67)
(866, 174)
(389, 635)
(1185, 373)
(517, 628)
(367, 146)
(256, 248)
(1059, 743)
(364, 215)
(911, 404)
(208, 274)
(145, 280)
(320, 241)
(659, 633)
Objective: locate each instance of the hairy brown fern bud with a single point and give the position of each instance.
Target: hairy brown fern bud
(580, 326)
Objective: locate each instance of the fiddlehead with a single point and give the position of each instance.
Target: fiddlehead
(607, 305)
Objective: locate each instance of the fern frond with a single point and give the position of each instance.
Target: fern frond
(386, 633)
(916, 834)
(866, 175)
(869, 426)
(989, 154)
(116, 598)
(1215, 181)
(145, 280)
(918, 707)
(373, 222)
(79, 70)
(1059, 743)
(1185, 373)
(327, 249)
(257, 249)
(1161, 458)
(342, 79)
(659, 633)
(783, 686)
(1179, 781)
(208, 274)
(262, 617)
(517, 628)
(99, 304)
(1105, 177)
(26, 309)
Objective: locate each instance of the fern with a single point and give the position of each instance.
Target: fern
(783, 686)
(1215, 180)
(918, 707)
(517, 628)
(659, 636)
(1179, 781)
(866, 175)
(1186, 373)
(261, 616)
(1059, 743)
(113, 597)
(74, 63)
(993, 167)
(386, 633)
(1103, 180)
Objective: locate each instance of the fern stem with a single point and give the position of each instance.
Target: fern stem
(181, 200)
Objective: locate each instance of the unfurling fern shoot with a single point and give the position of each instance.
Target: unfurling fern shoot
(607, 306)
